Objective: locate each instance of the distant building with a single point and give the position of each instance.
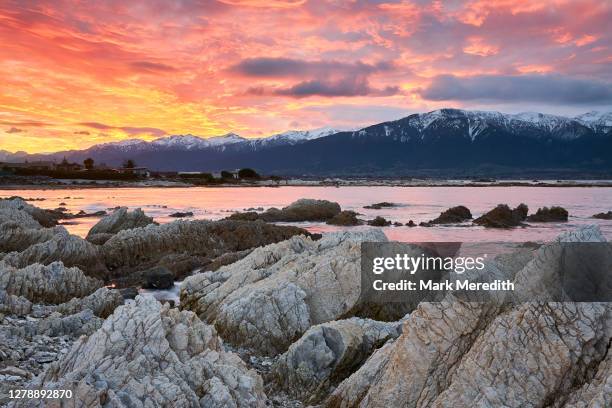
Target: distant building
(65, 166)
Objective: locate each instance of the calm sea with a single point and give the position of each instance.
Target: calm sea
(415, 203)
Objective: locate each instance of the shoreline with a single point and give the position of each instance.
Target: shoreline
(314, 183)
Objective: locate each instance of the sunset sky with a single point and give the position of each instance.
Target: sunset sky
(77, 73)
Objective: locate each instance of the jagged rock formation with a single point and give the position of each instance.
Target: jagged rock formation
(271, 297)
(102, 303)
(53, 283)
(19, 230)
(552, 214)
(141, 248)
(146, 354)
(503, 217)
(461, 354)
(11, 304)
(120, 220)
(43, 217)
(327, 353)
(69, 249)
(454, 215)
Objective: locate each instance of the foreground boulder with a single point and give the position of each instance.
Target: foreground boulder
(454, 215)
(146, 354)
(268, 299)
(604, 216)
(503, 217)
(326, 354)
(197, 243)
(102, 303)
(345, 218)
(119, 220)
(53, 283)
(552, 214)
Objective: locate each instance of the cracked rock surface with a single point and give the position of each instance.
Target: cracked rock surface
(268, 299)
(145, 355)
(120, 220)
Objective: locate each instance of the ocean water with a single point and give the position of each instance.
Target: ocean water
(415, 203)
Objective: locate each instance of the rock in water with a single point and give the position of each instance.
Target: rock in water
(303, 210)
(181, 214)
(327, 353)
(552, 214)
(503, 217)
(146, 354)
(53, 283)
(345, 218)
(158, 278)
(604, 216)
(120, 220)
(378, 206)
(270, 298)
(454, 215)
(379, 222)
(43, 217)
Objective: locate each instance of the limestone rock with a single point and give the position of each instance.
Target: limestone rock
(43, 217)
(604, 216)
(146, 354)
(345, 218)
(53, 283)
(102, 303)
(552, 214)
(140, 248)
(303, 210)
(454, 215)
(271, 297)
(503, 217)
(328, 353)
(12, 304)
(69, 249)
(120, 220)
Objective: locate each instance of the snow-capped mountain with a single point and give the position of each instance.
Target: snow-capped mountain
(449, 140)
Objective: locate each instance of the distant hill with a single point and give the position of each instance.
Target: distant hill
(443, 142)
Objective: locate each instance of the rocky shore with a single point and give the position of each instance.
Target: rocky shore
(270, 315)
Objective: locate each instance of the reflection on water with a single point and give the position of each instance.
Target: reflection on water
(417, 204)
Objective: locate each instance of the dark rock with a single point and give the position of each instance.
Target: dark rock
(158, 278)
(245, 216)
(345, 218)
(129, 293)
(63, 204)
(303, 210)
(181, 214)
(552, 214)
(378, 206)
(604, 216)
(410, 224)
(379, 222)
(454, 215)
(503, 217)
(397, 224)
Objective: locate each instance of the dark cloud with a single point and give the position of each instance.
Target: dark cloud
(287, 67)
(25, 123)
(152, 67)
(342, 87)
(128, 129)
(14, 130)
(82, 132)
(551, 89)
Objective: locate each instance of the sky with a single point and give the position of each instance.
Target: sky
(78, 73)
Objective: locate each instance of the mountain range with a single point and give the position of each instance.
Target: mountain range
(442, 142)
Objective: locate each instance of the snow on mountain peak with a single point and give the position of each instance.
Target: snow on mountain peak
(596, 118)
